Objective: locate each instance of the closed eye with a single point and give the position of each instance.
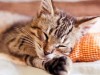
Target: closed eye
(46, 36)
(60, 46)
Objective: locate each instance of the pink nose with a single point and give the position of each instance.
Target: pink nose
(46, 53)
(49, 52)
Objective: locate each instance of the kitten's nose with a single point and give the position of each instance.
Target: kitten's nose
(47, 53)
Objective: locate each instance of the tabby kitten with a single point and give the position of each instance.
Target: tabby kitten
(36, 41)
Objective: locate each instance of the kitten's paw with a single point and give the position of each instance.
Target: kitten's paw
(59, 66)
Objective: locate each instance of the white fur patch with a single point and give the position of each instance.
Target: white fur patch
(50, 56)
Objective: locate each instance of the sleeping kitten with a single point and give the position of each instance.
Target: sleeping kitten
(36, 41)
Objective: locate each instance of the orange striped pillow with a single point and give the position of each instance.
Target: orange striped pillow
(88, 49)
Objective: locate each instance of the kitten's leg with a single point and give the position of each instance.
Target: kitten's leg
(55, 66)
(34, 61)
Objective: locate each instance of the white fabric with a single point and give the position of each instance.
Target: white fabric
(9, 68)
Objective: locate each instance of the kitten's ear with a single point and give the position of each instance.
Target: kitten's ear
(85, 22)
(46, 7)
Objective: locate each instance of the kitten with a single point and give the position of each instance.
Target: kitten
(36, 41)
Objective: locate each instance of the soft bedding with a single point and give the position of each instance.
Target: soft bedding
(10, 68)
(83, 68)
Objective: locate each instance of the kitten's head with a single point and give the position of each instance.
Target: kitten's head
(59, 26)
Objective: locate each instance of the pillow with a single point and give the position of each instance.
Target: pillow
(88, 49)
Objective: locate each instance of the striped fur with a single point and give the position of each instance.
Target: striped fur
(36, 41)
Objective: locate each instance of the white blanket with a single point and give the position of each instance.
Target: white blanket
(9, 68)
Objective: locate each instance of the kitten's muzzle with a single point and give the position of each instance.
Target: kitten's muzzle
(48, 52)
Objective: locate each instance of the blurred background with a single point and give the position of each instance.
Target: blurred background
(74, 7)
